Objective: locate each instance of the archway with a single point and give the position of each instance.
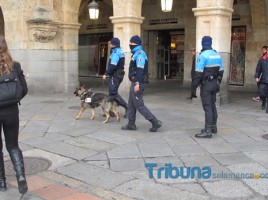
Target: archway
(2, 24)
(94, 35)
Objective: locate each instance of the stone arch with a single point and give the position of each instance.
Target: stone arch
(70, 10)
(259, 17)
(258, 12)
(2, 24)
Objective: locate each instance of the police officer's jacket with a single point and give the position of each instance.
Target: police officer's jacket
(138, 67)
(262, 69)
(208, 66)
(116, 61)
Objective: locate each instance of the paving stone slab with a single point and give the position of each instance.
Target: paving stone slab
(67, 181)
(90, 143)
(200, 160)
(100, 163)
(122, 165)
(161, 161)
(237, 137)
(257, 184)
(154, 147)
(62, 125)
(142, 189)
(47, 138)
(249, 146)
(129, 150)
(217, 173)
(94, 175)
(109, 195)
(77, 131)
(38, 123)
(97, 157)
(259, 156)
(43, 117)
(190, 187)
(27, 136)
(139, 174)
(178, 139)
(34, 129)
(107, 136)
(56, 160)
(68, 150)
(227, 189)
(193, 149)
(219, 148)
(232, 158)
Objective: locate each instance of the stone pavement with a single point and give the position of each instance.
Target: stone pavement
(88, 160)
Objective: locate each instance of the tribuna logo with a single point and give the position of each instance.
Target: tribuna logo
(173, 172)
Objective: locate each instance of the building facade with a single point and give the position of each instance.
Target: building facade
(57, 43)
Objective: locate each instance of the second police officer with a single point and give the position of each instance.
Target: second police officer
(116, 72)
(138, 75)
(209, 73)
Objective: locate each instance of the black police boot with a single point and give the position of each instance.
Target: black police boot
(214, 129)
(207, 133)
(263, 103)
(156, 124)
(130, 126)
(126, 111)
(3, 185)
(18, 164)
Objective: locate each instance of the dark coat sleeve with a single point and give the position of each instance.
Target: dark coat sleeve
(21, 76)
(258, 70)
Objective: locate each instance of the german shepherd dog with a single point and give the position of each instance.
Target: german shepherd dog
(94, 100)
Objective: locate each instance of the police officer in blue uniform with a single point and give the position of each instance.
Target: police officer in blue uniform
(116, 72)
(138, 75)
(208, 73)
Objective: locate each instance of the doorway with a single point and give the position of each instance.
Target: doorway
(93, 54)
(169, 53)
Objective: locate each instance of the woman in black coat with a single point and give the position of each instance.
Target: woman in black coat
(9, 123)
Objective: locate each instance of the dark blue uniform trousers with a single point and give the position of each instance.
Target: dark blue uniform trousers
(135, 102)
(114, 84)
(263, 88)
(208, 97)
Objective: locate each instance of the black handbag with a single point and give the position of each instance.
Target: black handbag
(10, 88)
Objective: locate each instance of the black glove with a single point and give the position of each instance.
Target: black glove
(218, 86)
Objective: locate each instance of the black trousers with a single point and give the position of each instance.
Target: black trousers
(263, 89)
(136, 103)
(208, 97)
(193, 89)
(10, 125)
(114, 84)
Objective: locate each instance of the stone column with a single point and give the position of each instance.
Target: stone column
(127, 22)
(70, 55)
(214, 18)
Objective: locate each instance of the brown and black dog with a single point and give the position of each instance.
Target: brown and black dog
(94, 100)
